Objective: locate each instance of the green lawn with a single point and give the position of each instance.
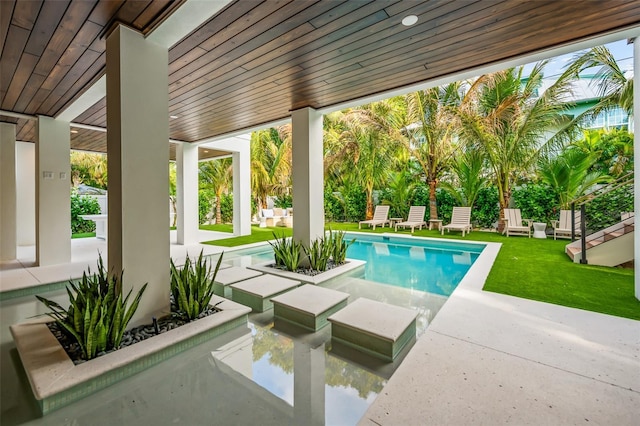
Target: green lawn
(526, 267)
(83, 235)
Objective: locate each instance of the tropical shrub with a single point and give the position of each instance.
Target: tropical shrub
(192, 287)
(83, 204)
(355, 204)
(283, 201)
(97, 316)
(605, 210)
(226, 208)
(538, 202)
(445, 205)
(287, 252)
(205, 204)
(333, 206)
(486, 209)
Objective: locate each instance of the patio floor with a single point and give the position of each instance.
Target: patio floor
(487, 358)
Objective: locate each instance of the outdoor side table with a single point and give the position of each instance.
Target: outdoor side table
(394, 220)
(435, 222)
(539, 230)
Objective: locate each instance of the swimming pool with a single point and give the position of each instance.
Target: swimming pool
(432, 266)
(416, 264)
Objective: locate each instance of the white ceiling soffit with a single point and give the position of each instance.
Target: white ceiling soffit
(189, 16)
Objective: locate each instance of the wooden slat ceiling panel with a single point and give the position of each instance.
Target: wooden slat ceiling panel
(256, 60)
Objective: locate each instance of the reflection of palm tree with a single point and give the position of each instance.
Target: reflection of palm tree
(340, 373)
(278, 348)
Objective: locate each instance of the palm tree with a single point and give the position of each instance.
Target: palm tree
(503, 115)
(270, 163)
(364, 141)
(615, 90)
(430, 134)
(469, 177)
(217, 176)
(89, 169)
(569, 174)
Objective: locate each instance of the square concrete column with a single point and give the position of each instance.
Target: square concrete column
(26, 193)
(138, 150)
(53, 192)
(8, 212)
(308, 175)
(242, 190)
(636, 148)
(187, 193)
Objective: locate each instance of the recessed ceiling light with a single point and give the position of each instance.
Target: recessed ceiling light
(74, 131)
(173, 116)
(410, 20)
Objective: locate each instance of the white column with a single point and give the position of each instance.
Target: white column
(26, 193)
(636, 148)
(53, 192)
(8, 212)
(187, 193)
(308, 175)
(242, 190)
(138, 150)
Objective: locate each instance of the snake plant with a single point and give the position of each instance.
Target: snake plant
(192, 286)
(286, 252)
(97, 316)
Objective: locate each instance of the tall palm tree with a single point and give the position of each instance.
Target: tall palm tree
(503, 115)
(613, 87)
(430, 134)
(270, 163)
(365, 141)
(217, 176)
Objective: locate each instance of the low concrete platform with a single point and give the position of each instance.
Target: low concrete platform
(228, 276)
(309, 306)
(257, 292)
(375, 328)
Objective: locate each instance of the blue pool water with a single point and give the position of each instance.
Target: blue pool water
(432, 266)
(424, 265)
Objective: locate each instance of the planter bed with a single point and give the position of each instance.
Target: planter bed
(56, 381)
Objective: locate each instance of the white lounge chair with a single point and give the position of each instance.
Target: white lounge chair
(380, 217)
(460, 221)
(562, 227)
(515, 225)
(415, 219)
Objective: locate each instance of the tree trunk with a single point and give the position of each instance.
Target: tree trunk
(504, 204)
(433, 206)
(369, 211)
(175, 211)
(218, 210)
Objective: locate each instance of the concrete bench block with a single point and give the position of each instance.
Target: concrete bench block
(309, 306)
(228, 276)
(257, 292)
(375, 328)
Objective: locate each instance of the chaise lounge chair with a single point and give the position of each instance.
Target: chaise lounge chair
(380, 217)
(460, 221)
(514, 224)
(415, 219)
(562, 227)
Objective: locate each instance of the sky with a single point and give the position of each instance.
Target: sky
(622, 51)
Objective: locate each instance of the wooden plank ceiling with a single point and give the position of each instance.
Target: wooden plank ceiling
(255, 61)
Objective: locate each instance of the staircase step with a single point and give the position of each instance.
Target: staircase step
(613, 235)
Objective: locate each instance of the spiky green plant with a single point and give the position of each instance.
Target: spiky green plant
(192, 286)
(97, 316)
(338, 246)
(287, 252)
(318, 254)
